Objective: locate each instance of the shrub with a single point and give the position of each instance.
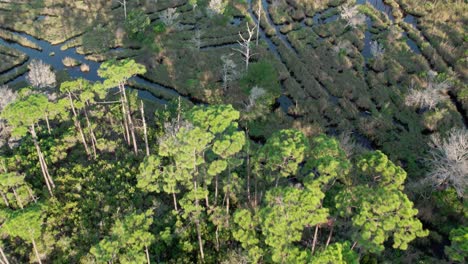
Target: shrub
(159, 28)
(136, 24)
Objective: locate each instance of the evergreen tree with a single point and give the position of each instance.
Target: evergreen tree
(128, 241)
(378, 207)
(24, 115)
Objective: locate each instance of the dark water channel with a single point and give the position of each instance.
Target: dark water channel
(53, 55)
(382, 7)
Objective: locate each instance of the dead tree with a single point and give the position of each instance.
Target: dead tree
(245, 45)
(196, 39)
(229, 70)
(40, 75)
(145, 130)
(124, 4)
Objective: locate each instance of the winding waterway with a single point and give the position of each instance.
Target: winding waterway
(54, 55)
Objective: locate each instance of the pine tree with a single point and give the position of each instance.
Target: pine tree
(377, 206)
(128, 241)
(24, 115)
(281, 155)
(116, 74)
(26, 225)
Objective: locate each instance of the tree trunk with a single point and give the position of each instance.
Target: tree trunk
(91, 131)
(31, 194)
(315, 238)
(197, 223)
(197, 204)
(248, 170)
(217, 238)
(145, 131)
(256, 188)
(123, 129)
(47, 171)
(259, 13)
(44, 169)
(228, 189)
(174, 198)
(48, 124)
(78, 124)
(35, 251)
(5, 260)
(216, 189)
(130, 121)
(329, 235)
(5, 199)
(125, 8)
(147, 255)
(18, 199)
(124, 115)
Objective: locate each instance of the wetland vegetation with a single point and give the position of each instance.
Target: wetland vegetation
(233, 131)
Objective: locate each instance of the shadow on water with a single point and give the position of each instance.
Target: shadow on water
(284, 103)
(263, 35)
(410, 19)
(366, 52)
(236, 21)
(53, 55)
(282, 36)
(379, 5)
(411, 44)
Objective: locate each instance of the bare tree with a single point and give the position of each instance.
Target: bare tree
(229, 70)
(347, 144)
(254, 95)
(145, 130)
(377, 50)
(124, 4)
(352, 16)
(6, 96)
(40, 75)
(343, 46)
(216, 7)
(196, 39)
(431, 95)
(169, 16)
(245, 45)
(449, 160)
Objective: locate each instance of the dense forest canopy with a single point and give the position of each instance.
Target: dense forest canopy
(216, 131)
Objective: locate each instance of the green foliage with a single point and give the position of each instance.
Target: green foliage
(98, 40)
(336, 253)
(127, 241)
(159, 28)
(286, 213)
(282, 154)
(25, 224)
(117, 72)
(378, 214)
(262, 74)
(328, 160)
(245, 232)
(376, 169)
(15, 191)
(153, 177)
(136, 24)
(458, 249)
(24, 113)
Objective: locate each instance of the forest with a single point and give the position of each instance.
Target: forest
(233, 131)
